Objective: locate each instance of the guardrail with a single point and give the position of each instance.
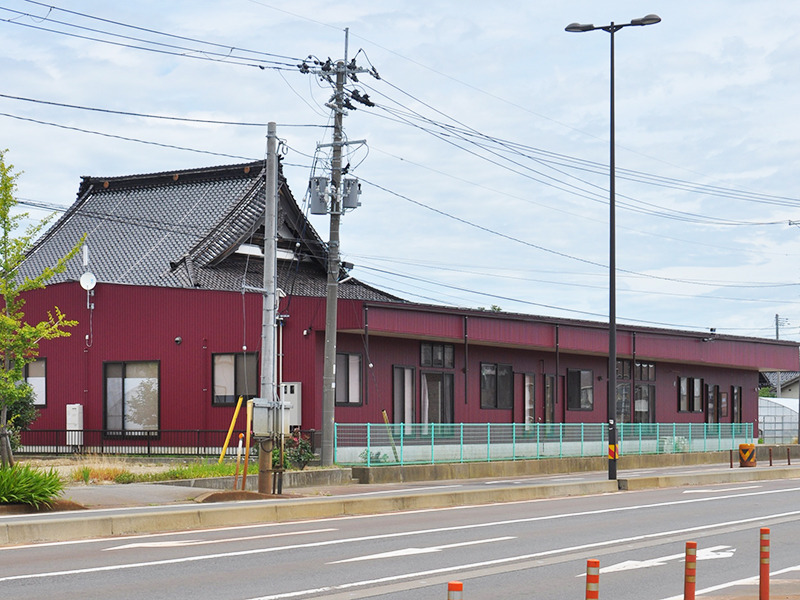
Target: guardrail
(405, 443)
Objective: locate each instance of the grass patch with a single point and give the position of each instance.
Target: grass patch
(23, 484)
(118, 472)
(197, 470)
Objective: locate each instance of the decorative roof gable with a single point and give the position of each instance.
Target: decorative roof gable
(182, 229)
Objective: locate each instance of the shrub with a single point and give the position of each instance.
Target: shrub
(297, 452)
(22, 484)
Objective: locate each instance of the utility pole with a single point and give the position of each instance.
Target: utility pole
(342, 71)
(264, 413)
(778, 322)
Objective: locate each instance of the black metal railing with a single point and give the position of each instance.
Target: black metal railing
(164, 442)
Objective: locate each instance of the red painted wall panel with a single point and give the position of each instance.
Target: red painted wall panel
(131, 324)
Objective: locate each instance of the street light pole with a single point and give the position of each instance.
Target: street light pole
(613, 449)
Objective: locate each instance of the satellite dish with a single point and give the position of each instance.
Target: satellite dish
(88, 281)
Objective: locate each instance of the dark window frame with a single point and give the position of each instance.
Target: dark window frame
(693, 384)
(624, 369)
(130, 433)
(500, 396)
(343, 383)
(650, 388)
(399, 386)
(435, 355)
(237, 385)
(575, 397)
(645, 371)
(26, 377)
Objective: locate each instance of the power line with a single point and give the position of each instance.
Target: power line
(447, 132)
(126, 139)
(563, 254)
(152, 116)
(198, 54)
(162, 33)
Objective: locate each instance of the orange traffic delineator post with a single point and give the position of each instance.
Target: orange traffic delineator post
(592, 579)
(763, 579)
(690, 571)
(455, 590)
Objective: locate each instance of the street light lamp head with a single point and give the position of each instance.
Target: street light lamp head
(647, 20)
(579, 27)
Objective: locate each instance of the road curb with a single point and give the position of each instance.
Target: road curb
(77, 526)
(731, 476)
(53, 527)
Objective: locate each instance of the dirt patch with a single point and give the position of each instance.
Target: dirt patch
(70, 468)
(57, 505)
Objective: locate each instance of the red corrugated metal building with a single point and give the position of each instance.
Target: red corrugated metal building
(170, 335)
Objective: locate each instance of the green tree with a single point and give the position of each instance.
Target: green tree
(19, 340)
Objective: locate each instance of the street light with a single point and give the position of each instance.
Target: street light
(613, 452)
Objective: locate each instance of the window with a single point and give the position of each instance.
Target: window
(644, 403)
(234, 375)
(690, 394)
(348, 379)
(530, 400)
(623, 402)
(131, 391)
(736, 403)
(712, 415)
(645, 371)
(623, 369)
(437, 355)
(697, 395)
(550, 399)
(403, 395)
(436, 397)
(497, 386)
(35, 374)
(684, 394)
(580, 389)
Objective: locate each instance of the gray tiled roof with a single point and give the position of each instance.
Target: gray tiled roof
(786, 377)
(181, 229)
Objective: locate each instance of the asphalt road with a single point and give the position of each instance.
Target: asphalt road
(532, 550)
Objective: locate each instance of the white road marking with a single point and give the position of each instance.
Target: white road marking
(747, 581)
(414, 551)
(702, 554)
(733, 489)
(182, 543)
(499, 561)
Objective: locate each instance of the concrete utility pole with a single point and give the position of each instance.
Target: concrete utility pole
(342, 70)
(331, 303)
(268, 391)
(778, 322)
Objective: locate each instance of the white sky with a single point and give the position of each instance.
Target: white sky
(485, 176)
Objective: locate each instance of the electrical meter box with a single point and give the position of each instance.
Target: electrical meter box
(74, 424)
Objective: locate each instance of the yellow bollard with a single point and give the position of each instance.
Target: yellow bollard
(230, 429)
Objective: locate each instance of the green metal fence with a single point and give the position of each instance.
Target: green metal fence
(405, 443)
